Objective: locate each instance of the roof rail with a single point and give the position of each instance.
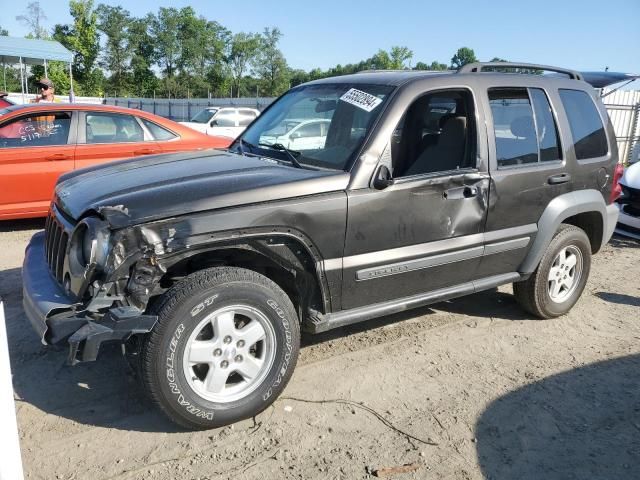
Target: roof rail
(479, 66)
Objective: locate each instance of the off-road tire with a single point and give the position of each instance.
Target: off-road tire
(179, 312)
(533, 294)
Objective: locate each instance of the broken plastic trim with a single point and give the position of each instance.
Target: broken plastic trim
(118, 324)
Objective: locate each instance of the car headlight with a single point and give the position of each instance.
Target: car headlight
(89, 244)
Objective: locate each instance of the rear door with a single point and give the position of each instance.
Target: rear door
(107, 136)
(35, 149)
(528, 166)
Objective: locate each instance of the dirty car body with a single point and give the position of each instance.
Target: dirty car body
(410, 201)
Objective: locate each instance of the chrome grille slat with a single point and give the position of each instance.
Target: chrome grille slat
(54, 247)
(62, 249)
(56, 240)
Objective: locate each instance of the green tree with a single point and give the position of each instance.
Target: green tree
(33, 19)
(141, 46)
(463, 56)
(114, 22)
(164, 30)
(83, 40)
(399, 57)
(270, 64)
(3, 32)
(244, 47)
(437, 66)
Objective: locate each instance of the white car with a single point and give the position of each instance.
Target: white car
(223, 121)
(299, 134)
(629, 203)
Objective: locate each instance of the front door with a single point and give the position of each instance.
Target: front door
(35, 150)
(424, 231)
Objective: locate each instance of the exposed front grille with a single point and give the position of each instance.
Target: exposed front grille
(55, 245)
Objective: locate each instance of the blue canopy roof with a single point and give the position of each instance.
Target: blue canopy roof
(32, 51)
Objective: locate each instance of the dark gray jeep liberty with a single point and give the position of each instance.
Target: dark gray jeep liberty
(347, 199)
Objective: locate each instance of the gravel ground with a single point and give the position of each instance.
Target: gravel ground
(468, 389)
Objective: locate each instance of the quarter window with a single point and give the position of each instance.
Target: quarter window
(112, 128)
(586, 126)
(524, 127)
(158, 132)
(43, 129)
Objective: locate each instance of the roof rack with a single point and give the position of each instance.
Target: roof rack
(479, 66)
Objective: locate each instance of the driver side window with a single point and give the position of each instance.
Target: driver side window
(436, 134)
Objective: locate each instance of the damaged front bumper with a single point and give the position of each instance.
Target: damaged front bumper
(55, 316)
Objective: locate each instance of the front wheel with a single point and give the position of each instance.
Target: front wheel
(556, 285)
(224, 347)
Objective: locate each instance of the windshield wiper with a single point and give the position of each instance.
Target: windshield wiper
(281, 148)
(244, 142)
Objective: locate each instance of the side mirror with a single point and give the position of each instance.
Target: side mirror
(383, 178)
(214, 123)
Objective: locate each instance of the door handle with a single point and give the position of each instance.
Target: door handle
(459, 193)
(145, 151)
(58, 156)
(558, 179)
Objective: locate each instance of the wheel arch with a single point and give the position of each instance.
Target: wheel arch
(288, 258)
(585, 209)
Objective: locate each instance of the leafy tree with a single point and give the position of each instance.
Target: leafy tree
(244, 47)
(82, 39)
(270, 64)
(399, 56)
(164, 30)
(114, 22)
(437, 66)
(140, 45)
(463, 56)
(3, 32)
(33, 19)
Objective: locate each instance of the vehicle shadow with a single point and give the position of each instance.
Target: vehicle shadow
(490, 303)
(26, 224)
(104, 393)
(619, 298)
(583, 423)
(620, 241)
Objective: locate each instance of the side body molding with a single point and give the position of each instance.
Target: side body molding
(558, 210)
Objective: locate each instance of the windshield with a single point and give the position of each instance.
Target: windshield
(204, 116)
(322, 125)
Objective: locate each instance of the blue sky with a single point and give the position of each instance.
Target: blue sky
(584, 35)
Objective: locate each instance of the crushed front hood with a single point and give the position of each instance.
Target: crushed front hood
(139, 190)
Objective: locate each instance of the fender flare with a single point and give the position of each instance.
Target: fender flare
(558, 210)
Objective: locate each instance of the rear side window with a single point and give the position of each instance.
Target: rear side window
(586, 126)
(112, 128)
(524, 127)
(158, 132)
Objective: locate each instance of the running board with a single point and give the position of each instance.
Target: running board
(319, 322)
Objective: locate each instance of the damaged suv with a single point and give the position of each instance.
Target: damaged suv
(420, 187)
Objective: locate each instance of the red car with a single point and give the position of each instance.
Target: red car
(40, 142)
(4, 100)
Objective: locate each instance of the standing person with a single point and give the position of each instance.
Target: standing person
(47, 91)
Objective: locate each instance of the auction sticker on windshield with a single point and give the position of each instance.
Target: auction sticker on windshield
(361, 99)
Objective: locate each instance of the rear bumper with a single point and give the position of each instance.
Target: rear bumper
(55, 316)
(611, 220)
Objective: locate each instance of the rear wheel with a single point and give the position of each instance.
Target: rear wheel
(556, 285)
(224, 347)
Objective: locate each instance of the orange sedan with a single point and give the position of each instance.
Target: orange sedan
(40, 142)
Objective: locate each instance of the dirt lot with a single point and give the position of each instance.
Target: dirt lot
(468, 389)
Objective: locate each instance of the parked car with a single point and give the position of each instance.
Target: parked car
(299, 134)
(629, 202)
(206, 266)
(4, 100)
(223, 121)
(40, 142)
